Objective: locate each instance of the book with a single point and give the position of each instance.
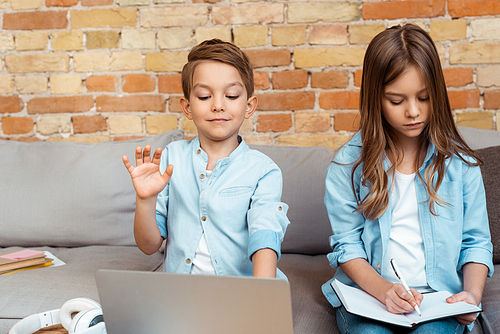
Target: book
(36, 266)
(433, 307)
(21, 259)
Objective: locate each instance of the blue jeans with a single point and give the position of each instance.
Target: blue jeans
(352, 324)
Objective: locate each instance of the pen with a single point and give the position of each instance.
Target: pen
(403, 282)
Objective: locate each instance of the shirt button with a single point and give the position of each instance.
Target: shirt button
(188, 261)
(202, 176)
(203, 218)
(378, 266)
(198, 151)
(280, 208)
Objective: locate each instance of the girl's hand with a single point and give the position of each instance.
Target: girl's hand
(468, 297)
(398, 300)
(146, 177)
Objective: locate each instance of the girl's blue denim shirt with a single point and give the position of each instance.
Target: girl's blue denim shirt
(239, 208)
(457, 235)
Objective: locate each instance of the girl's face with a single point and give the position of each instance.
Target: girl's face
(406, 105)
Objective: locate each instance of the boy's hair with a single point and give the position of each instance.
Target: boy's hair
(390, 54)
(224, 52)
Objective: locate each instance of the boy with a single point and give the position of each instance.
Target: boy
(221, 210)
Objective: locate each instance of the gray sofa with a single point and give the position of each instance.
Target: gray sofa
(77, 201)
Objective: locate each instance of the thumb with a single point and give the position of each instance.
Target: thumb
(168, 173)
(456, 298)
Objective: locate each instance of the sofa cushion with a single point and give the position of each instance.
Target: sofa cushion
(491, 178)
(312, 313)
(69, 194)
(304, 171)
(490, 317)
(479, 138)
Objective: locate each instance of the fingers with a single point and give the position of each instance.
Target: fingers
(463, 296)
(157, 156)
(398, 300)
(143, 157)
(146, 155)
(138, 156)
(127, 164)
(466, 319)
(417, 295)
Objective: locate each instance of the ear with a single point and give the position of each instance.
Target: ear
(186, 108)
(251, 106)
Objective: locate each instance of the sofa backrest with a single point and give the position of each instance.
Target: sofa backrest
(487, 144)
(491, 179)
(69, 194)
(304, 171)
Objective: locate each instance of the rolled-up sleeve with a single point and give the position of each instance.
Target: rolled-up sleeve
(476, 238)
(347, 225)
(267, 219)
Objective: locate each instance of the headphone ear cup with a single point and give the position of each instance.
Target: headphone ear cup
(85, 319)
(76, 305)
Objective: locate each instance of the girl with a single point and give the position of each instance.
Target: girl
(407, 187)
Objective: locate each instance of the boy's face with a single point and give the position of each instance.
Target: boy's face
(218, 103)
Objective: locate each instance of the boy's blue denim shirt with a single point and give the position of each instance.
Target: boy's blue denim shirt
(239, 208)
(458, 235)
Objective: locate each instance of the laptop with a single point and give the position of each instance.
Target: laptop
(150, 303)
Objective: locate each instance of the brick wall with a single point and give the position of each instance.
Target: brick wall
(94, 70)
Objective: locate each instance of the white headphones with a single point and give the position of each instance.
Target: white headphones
(88, 319)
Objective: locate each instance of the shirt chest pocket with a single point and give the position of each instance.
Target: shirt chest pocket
(236, 191)
(451, 193)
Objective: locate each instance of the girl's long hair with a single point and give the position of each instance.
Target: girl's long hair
(389, 55)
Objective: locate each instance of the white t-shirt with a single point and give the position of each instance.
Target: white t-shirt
(405, 245)
(202, 261)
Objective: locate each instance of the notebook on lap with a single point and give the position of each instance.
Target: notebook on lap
(144, 302)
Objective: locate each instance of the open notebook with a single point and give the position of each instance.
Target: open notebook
(434, 306)
(145, 302)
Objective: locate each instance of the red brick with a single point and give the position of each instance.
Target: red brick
(402, 9)
(138, 83)
(17, 125)
(286, 101)
(290, 79)
(461, 8)
(358, 77)
(131, 103)
(127, 138)
(339, 100)
(261, 80)
(174, 104)
(102, 83)
(89, 124)
(35, 20)
(330, 79)
(456, 77)
(63, 104)
(461, 99)
(346, 122)
(492, 99)
(61, 3)
(11, 104)
(274, 123)
(170, 84)
(96, 2)
(26, 139)
(267, 58)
